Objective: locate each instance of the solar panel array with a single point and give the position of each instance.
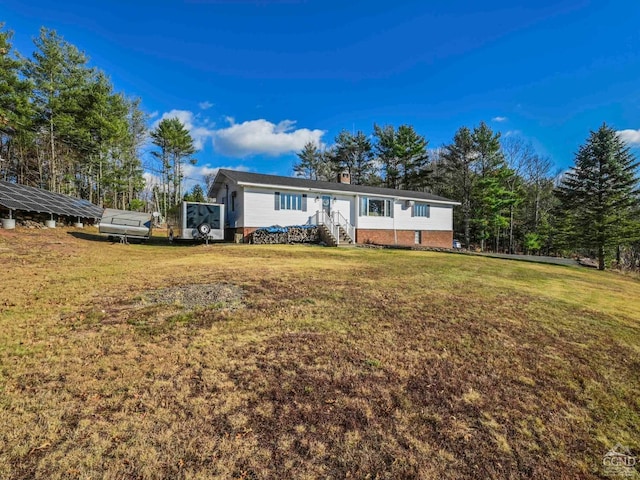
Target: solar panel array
(30, 199)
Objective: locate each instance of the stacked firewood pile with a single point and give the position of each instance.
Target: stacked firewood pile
(31, 224)
(295, 234)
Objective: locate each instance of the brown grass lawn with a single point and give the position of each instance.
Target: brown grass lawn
(336, 363)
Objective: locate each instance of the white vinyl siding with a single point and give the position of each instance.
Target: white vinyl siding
(256, 207)
(440, 217)
(262, 207)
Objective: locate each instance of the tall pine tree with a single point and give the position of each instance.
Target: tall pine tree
(313, 163)
(491, 194)
(16, 129)
(354, 154)
(411, 152)
(59, 73)
(176, 147)
(385, 150)
(599, 193)
(459, 161)
(402, 155)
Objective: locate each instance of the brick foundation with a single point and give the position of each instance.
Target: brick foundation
(429, 238)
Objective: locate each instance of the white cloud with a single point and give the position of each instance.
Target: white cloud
(260, 136)
(253, 137)
(499, 119)
(197, 172)
(194, 174)
(150, 181)
(200, 133)
(632, 137)
(154, 114)
(511, 133)
(205, 105)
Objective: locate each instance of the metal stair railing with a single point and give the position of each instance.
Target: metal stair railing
(322, 218)
(340, 220)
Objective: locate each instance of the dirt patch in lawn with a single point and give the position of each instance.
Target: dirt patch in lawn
(221, 295)
(158, 312)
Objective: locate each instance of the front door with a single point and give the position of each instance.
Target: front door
(326, 204)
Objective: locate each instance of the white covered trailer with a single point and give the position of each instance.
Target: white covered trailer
(197, 221)
(125, 224)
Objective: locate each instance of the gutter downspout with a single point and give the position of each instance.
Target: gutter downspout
(357, 214)
(393, 216)
(226, 205)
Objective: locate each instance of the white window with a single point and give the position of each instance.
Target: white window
(375, 207)
(291, 201)
(421, 210)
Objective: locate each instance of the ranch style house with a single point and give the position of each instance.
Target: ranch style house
(347, 213)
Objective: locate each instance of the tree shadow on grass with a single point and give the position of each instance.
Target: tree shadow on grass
(156, 241)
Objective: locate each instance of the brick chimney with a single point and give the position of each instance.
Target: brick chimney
(344, 177)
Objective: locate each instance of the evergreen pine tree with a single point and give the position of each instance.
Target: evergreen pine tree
(490, 194)
(385, 151)
(402, 155)
(411, 152)
(599, 193)
(313, 163)
(354, 154)
(16, 130)
(59, 73)
(458, 164)
(176, 147)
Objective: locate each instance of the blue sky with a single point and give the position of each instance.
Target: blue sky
(255, 80)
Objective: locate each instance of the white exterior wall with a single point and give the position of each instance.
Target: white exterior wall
(259, 207)
(342, 203)
(259, 211)
(440, 218)
(255, 207)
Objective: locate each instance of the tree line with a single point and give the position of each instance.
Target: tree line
(64, 128)
(512, 199)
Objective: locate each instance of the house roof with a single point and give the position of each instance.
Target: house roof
(259, 179)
